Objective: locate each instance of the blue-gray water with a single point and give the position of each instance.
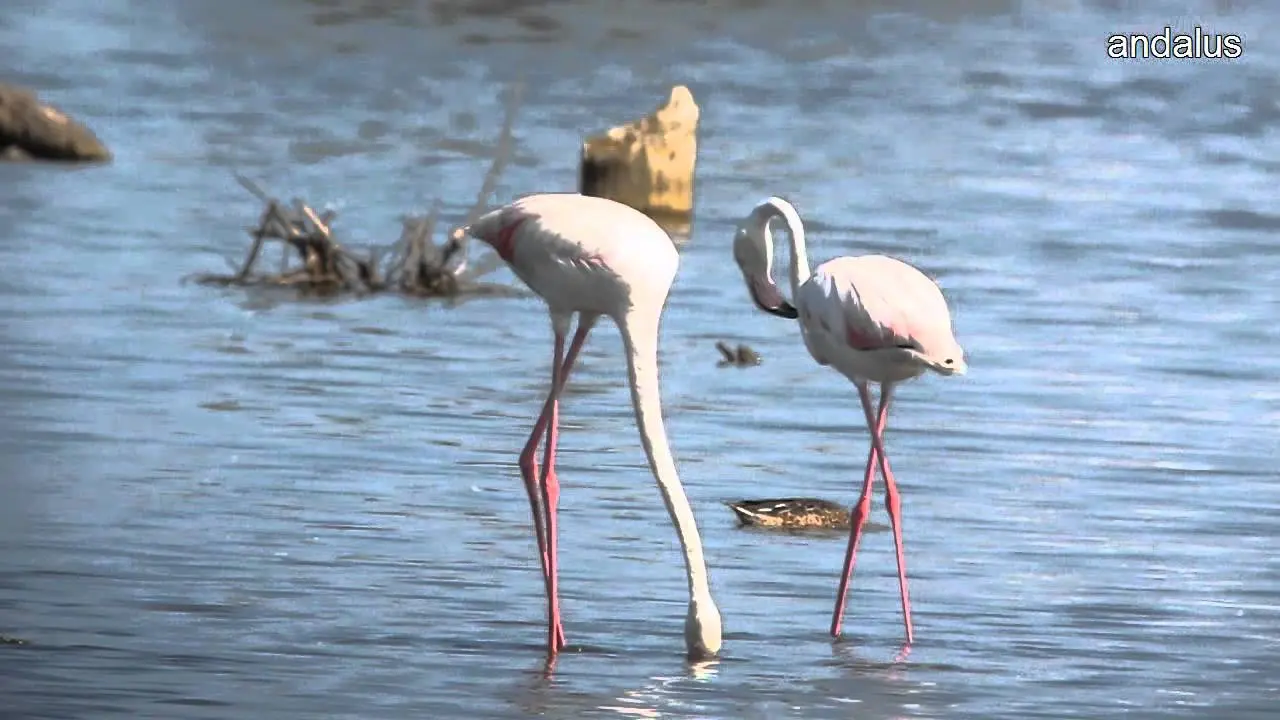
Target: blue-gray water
(215, 505)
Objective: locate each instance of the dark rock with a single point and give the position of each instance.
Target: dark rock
(32, 130)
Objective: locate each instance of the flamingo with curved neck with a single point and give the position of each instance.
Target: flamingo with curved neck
(872, 318)
(591, 257)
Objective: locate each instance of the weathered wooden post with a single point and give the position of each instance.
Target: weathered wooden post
(648, 163)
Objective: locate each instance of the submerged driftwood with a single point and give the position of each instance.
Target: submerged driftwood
(316, 263)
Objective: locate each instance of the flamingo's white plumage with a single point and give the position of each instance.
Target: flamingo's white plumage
(592, 256)
(873, 318)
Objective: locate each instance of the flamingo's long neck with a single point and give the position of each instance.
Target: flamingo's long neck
(639, 337)
(800, 271)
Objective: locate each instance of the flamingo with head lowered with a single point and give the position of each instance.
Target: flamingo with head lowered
(593, 257)
(874, 319)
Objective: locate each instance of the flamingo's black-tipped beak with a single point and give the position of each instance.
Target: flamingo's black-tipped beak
(785, 310)
(766, 297)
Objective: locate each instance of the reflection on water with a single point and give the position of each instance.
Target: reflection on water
(223, 503)
(663, 695)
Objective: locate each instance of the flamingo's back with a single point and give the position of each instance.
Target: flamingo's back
(859, 313)
(583, 253)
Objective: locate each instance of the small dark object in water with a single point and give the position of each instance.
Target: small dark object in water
(319, 264)
(743, 356)
(792, 513)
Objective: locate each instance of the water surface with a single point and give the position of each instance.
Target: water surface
(225, 504)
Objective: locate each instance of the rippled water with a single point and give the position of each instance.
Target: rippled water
(218, 504)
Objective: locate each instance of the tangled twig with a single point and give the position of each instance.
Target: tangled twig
(417, 266)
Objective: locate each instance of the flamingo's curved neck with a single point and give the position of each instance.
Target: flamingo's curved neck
(640, 341)
(795, 228)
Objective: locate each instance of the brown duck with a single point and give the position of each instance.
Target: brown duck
(792, 513)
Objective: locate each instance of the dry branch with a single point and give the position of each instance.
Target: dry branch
(417, 265)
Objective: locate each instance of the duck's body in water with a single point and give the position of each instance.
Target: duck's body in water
(792, 513)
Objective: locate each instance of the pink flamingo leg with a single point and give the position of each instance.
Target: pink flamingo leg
(529, 472)
(529, 462)
(893, 503)
(551, 495)
(858, 516)
(551, 504)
